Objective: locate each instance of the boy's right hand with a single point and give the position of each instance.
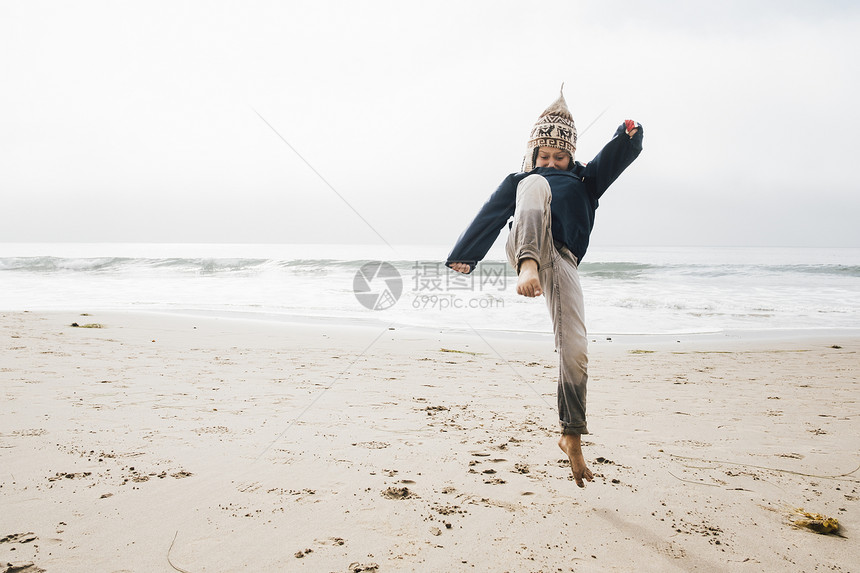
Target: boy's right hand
(461, 267)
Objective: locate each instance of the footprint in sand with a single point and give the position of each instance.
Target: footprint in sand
(22, 568)
(19, 538)
(361, 568)
(398, 493)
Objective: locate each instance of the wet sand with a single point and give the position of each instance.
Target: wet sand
(162, 443)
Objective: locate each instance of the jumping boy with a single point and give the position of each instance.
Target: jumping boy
(552, 202)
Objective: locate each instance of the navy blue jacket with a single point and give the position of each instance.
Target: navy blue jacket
(575, 194)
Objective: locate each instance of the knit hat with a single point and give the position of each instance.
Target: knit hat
(554, 128)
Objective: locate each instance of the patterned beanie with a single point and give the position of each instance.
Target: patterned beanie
(554, 128)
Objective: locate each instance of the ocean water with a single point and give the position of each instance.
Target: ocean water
(627, 290)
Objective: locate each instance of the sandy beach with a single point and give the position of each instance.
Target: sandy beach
(188, 443)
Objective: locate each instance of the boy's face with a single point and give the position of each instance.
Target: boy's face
(553, 157)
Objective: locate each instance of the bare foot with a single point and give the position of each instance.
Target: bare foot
(572, 446)
(528, 283)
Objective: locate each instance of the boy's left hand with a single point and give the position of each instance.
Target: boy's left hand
(631, 127)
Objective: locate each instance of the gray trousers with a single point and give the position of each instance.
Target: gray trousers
(531, 238)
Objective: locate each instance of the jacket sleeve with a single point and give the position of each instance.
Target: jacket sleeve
(481, 233)
(612, 160)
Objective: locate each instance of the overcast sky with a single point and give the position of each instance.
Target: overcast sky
(137, 121)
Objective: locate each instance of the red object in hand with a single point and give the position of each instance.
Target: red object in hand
(630, 125)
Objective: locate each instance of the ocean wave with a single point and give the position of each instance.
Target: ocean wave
(840, 270)
(54, 264)
(120, 264)
(619, 270)
(216, 265)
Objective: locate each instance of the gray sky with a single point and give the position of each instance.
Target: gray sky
(135, 121)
